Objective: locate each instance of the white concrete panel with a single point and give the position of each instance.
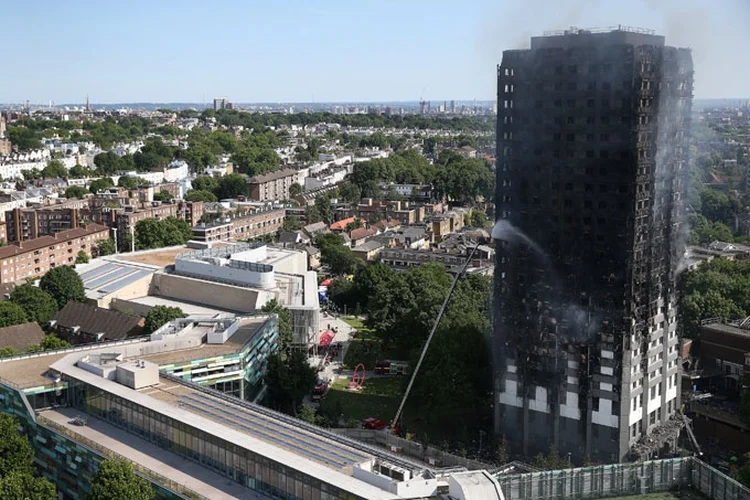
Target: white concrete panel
(605, 386)
(606, 370)
(607, 354)
(570, 408)
(509, 396)
(604, 415)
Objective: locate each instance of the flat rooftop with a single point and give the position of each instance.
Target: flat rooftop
(170, 465)
(32, 371)
(187, 307)
(278, 437)
(162, 257)
(248, 328)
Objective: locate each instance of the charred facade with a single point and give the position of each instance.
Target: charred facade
(592, 152)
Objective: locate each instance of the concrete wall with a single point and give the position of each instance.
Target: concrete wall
(219, 295)
(134, 290)
(223, 272)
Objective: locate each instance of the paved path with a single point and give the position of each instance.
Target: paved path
(168, 464)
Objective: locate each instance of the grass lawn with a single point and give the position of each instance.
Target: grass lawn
(366, 348)
(353, 322)
(379, 398)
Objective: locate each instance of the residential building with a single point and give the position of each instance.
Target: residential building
(177, 402)
(360, 235)
(242, 227)
(442, 225)
(403, 258)
(80, 323)
(369, 250)
(591, 190)
(189, 211)
(222, 103)
(21, 337)
(272, 186)
(33, 258)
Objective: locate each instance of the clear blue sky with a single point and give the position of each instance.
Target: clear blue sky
(335, 50)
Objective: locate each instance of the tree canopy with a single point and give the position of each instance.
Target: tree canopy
(117, 480)
(158, 316)
(105, 247)
(16, 465)
(54, 168)
(76, 192)
(63, 284)
(11, 314)
(37, 304)
(288, 380)
(158, 233)
(285, 322)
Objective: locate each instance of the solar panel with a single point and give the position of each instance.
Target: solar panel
(271, 431)
(123, 282)
(118, 273)
(89, 275)
(252, 429)
(275, 428)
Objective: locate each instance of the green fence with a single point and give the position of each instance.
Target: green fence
(623, 479)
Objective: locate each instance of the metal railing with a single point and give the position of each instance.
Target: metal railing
(294, 422)
(152, 476)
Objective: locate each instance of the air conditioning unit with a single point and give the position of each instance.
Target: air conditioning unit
(396, 449)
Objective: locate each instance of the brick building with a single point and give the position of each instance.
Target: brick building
(273, 185)
(33, 258)
(241, 227)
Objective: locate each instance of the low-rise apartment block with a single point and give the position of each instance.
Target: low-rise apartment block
(273, 185)
(251, 225)
(33, 258)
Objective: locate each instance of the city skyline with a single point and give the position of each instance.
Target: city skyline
(338, 52)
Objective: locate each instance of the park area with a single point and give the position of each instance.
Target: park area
(380, 395)
(366, 348)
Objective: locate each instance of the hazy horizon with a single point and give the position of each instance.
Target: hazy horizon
(339, 51)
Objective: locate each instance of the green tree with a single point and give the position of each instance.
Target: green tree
(308, 414)
(288, 380)
(37, 304)
(285, 321)
(79, 172)
(231, 186)
(76, 192)
(129, 182)
(11, 314)
(100, 185)
(200, 195)
(31, 174)
(16, 461)
(478, 218)
(163, 195)
(205, 183)
(64, 285)
(16, 454)
(24, 138)
(158, 233)
(323, 205)
(105, 247)
(54, 168)
(295, 190)
(158, 316)
(52, 342)
(117, 480)
(354, 225)
(26, 486)
(82, 258)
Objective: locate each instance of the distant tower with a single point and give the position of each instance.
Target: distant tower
(88, 105)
